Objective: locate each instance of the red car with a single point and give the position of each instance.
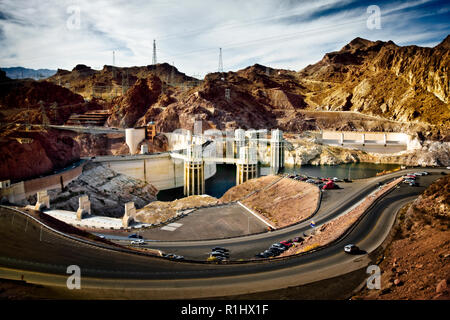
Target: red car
(329, 185)
(286, 243)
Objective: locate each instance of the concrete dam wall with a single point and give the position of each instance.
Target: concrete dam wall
(161, 170)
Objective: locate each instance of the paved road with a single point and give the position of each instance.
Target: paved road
(110, 274)
(334, 203)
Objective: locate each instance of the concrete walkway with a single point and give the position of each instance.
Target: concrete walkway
(97, 222)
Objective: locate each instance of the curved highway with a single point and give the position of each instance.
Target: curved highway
(43, 256)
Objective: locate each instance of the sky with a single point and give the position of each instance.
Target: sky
(285, 34)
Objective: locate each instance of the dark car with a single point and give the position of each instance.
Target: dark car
(269, 253)
(220, 249)
(264, 255)
(351, 248)
(347, 180)
(414, 184)
(276, 251)
(278, 246)
(219, 254)
(297, 239)
(135, 236)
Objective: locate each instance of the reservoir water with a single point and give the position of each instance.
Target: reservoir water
(225, 178)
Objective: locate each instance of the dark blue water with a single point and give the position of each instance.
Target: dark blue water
(225, 178)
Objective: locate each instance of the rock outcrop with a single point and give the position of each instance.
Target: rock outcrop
(45, 151)
(135, 103)
(379, 78)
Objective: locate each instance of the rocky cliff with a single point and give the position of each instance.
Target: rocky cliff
(113, 81)
(44, 152)
(406, 84)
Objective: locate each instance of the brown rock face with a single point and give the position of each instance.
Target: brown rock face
(136, 102)
(48, 151)
(382, 79)
(28, 94)
(108, 82)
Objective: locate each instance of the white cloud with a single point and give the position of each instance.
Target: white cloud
(189, 33)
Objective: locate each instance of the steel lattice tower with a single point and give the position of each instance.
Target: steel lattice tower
(220, 60)
(154, 52)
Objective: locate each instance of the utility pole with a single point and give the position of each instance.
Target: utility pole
(220, 61)
(154, 52)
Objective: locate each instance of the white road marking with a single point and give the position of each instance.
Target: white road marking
(167, 228)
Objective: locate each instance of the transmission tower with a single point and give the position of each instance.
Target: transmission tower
(154, 52)
(220, 61)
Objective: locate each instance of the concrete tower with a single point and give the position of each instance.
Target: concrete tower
(247, 165)
(239, 141)
(276, 150)
(194, 171)
(133, 137)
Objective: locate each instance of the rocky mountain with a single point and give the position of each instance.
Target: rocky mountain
(408, 84)
(114, 81)
(384, 86)
(23, 73)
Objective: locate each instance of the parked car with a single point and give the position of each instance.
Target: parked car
(269, 253)
(135, 236)
(425, 173)
(336, 179)
(276, 251)
(297, 239)
(351, 248)
(220, 249)
(219, 254)
(286, 243)
(347, 180)
(310, 181)
(139, 241)
(264, 255)
(413, 184)
(278, 246)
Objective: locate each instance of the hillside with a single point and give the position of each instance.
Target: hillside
(416, 264)
(113, 81)
(387, 87)
(409, 84)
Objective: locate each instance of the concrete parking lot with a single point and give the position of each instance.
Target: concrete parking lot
(206, 223)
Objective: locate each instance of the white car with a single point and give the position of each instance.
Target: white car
(418, 173)
(138, 241)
